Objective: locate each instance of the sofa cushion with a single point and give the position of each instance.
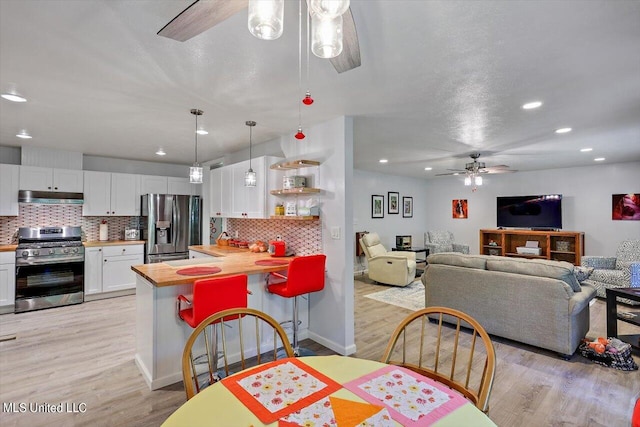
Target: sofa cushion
(459, 260)
(561, 270)
(582, 273)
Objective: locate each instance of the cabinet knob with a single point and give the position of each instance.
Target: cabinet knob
(55, 188)
(105, 260)
(48, 188)
(113, 212)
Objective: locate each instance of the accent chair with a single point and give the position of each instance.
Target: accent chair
(442, 241)
(621, 271)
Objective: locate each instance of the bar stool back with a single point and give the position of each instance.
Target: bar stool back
(211, 296)
(304, 275)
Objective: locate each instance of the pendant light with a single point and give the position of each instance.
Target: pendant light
(266, 18)
(250, 176)
(195, 171)
(300, 134)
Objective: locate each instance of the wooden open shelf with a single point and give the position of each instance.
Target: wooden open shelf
(295, 218)
(301, 190)
(556, 245)
(296, 164)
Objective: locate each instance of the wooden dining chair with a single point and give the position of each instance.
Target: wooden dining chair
(248, 337)
(452, 355)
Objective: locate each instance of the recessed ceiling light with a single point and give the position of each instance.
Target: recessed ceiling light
(384, 161)
(13, 97)
(531, 105)
(586, 150)
(24, 135)
(599, 159)
(202, 132)
(428, 169)
(161, 152)
(456, 174)
(563, 130)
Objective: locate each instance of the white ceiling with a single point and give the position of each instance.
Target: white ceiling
(439, 80)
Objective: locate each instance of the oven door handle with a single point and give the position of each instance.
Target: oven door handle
(25, 263)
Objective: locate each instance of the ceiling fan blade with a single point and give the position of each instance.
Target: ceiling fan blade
(350, 56)
(450, 173)
(199, 17)
(495, 171)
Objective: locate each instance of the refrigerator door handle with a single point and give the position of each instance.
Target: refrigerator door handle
(174, 220)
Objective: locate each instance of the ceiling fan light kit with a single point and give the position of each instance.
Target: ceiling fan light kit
(328, 8)
(266, 18)
(326, 36)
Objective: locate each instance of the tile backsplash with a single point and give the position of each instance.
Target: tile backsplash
(303, 237)
(34, 215)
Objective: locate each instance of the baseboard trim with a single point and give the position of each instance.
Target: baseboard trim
(338, 348)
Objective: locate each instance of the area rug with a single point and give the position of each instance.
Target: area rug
(410, 296)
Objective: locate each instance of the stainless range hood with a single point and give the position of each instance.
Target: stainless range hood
(50, 197)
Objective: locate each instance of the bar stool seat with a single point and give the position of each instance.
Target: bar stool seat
(305, 274)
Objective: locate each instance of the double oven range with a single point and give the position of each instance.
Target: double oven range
(49, 267)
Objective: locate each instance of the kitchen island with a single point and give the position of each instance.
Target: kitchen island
(161, 335)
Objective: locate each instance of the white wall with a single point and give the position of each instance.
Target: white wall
(331, 314)
(369, 183)
(586, 204)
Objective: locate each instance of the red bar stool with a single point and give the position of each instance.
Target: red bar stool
(211, 296)
(304, 275)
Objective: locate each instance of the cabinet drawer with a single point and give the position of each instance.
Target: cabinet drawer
(7, 257)
(123, 250)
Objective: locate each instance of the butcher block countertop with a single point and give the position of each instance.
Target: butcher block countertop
(93, 243)
(230, 260)
(8, 248)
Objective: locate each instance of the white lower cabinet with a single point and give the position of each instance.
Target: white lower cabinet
(7, 281)
(108, 268)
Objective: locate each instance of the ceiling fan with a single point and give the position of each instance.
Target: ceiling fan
(476, 167)
(204, 14)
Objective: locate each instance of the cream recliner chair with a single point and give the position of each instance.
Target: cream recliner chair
(391, 268)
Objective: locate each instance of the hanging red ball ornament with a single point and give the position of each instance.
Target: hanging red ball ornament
(308, 100)
(299, 135)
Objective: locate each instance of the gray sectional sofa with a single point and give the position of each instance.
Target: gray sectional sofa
(536, 302)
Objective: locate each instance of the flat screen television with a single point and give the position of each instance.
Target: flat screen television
(539, 211)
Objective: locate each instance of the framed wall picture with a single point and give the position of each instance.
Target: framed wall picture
(459, 209)
(377, 206)
(393, 203)
(625, 207)
(407, 207)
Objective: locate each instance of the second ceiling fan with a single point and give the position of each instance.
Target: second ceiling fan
(477, 167)
(204, 14)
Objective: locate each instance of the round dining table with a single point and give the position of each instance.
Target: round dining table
(216, 405)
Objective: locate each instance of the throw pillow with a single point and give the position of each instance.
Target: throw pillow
(582, 273)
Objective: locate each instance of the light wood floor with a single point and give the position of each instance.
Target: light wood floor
(84, 354)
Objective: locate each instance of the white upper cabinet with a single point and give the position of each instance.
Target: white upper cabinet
(50, 179)
(229, 196)
(9, 185)
(152, 184)
(124, 194)
(110, 194)
(176, 185)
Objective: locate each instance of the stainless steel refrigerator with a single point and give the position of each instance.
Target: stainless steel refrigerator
(170, 224)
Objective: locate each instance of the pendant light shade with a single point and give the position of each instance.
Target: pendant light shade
(328, 8)
(250, 179)
(326, 36)
(195, 171)
(266, 18)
